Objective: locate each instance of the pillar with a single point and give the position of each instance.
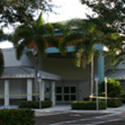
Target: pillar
(53, 93)
(42, 94)
(101, 66)
(6, 93)
(29, 89)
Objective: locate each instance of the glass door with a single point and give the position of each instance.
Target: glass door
(66, 94)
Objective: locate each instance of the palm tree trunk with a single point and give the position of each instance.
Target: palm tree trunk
(92, 77)
(36, 66)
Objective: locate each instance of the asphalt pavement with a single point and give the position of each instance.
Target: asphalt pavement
(64, 115)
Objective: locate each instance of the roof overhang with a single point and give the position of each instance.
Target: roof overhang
(22, 72)
(118, 74)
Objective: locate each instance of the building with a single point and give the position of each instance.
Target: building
(70, 83)
(17, 81)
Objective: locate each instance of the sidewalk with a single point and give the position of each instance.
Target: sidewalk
(62, 109)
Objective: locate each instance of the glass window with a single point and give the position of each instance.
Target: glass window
(73, 89)
(66, 97)
(66, 89)
(58, 89)
(73, 97)
(58, 98)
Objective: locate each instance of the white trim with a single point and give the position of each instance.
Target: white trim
(29, 89)
(42, 90)
(6, 92)
(53, 93)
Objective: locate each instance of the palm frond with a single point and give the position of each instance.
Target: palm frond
(85, 49)
(46, 30)
(21, 38)
(71, 38)
(19, 50)
(53, 41)
(41, 45)
(39, 22)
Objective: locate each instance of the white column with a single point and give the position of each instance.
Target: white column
(6, 93)
(42, 94)
(29, 89)
(53, 93)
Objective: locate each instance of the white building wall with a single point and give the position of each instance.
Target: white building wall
(27, 60)
(11, 60)
(18, 86)
(1, 87)
(65, 68)
(47, 89)
(84, 90)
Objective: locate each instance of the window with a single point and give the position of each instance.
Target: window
(66, 93)
(59, 98)
(66, 97)
(73, 89)
(58, 89)
(66, 89)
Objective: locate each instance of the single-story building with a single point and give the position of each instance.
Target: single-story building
(69, 84)
(17, 80)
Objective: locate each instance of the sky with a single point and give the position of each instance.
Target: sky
(66, 10)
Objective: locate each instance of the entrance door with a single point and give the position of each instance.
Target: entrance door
(66, 94)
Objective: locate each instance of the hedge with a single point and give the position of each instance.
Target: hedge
(35, 104)
(17, 117)
(114, 103)
(113, 88)
(87, 105)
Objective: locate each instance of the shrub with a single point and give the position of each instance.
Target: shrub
(113, 88)
(35, 104)
(17, 117)
(87, 105)
(114, 103)
(113, 91)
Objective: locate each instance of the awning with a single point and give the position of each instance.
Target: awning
(26, 72)
(118, 74)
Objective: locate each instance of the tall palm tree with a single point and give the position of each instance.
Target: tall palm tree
(84, 34)
(80, 34)
(37, 32)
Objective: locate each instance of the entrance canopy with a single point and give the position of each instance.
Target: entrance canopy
(26, 72)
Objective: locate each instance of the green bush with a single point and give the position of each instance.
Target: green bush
(87, 105)
(113, 88)
(114, 103)
(35, 104)
(17, 117)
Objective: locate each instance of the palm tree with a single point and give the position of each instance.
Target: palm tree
(40, 34)
(83, 34)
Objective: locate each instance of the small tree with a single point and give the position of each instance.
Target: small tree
(113, 88)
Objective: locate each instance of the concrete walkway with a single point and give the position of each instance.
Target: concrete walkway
(61, 109)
